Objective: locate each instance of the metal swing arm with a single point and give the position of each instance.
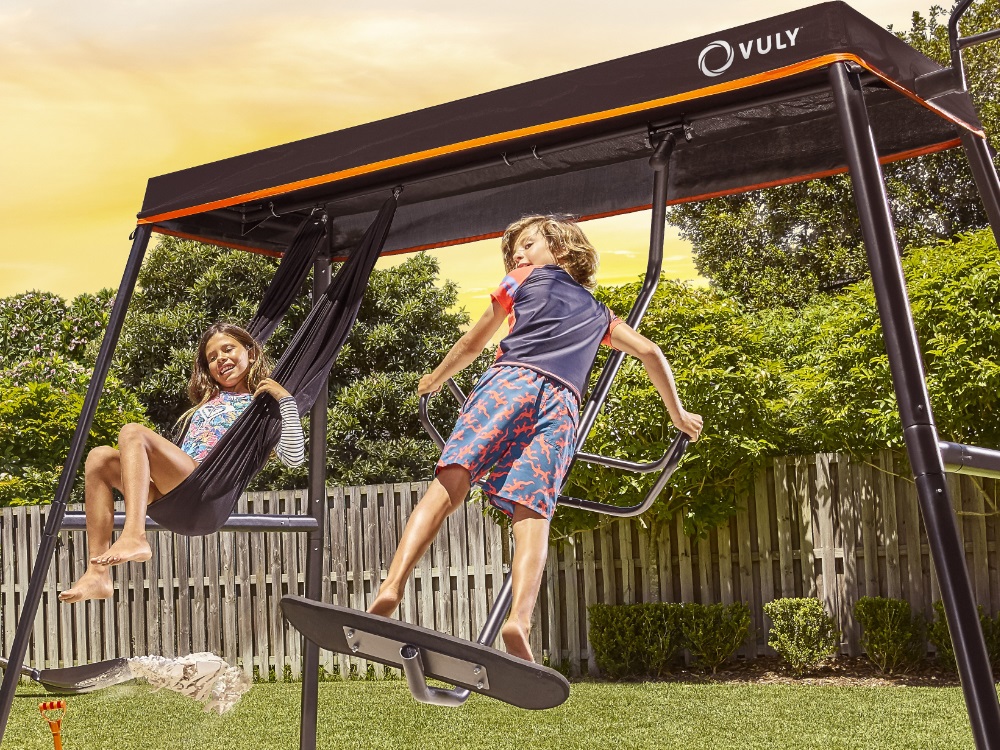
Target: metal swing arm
(413, 667)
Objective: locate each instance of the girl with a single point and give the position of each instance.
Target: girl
(230, 370)
(519, 422)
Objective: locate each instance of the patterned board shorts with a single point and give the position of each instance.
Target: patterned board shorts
(519, 426)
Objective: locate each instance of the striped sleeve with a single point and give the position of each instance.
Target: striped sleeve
(292, 445)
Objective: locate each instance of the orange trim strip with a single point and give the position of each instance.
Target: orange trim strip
(718, 88)
(901, 156)
(632, 209)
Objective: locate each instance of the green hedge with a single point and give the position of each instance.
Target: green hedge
(894, 638)
(644, 640)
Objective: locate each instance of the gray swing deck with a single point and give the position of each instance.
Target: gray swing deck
(422, 653)
(84, 678)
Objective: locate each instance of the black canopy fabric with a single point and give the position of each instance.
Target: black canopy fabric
(202, 503)
(754, 99)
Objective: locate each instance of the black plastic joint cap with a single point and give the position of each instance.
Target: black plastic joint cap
(923, 450)
(661, 154)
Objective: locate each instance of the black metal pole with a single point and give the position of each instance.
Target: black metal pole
(43, 558)
(919, 431)
(314, 553)
(984, 172)
(659, 161)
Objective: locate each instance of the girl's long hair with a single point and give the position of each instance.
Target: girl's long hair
(568, 243)
(202, 387)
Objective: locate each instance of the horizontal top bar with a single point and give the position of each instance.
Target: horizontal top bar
(986, 36)
(236, 522)
(970, 459)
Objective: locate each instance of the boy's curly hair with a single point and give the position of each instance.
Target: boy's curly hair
(568, 243)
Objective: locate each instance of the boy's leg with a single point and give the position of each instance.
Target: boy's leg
(445, 495)
(531, 547)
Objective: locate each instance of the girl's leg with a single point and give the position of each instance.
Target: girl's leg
(102, 474)
(445, 495)
(150, 465)
(531, 547)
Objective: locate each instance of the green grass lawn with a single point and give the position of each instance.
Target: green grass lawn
(597, 715)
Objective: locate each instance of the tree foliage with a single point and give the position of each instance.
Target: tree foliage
(781, 245)
(45, 369)
(785, 381)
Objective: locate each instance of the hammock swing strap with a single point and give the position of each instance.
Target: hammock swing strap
(201, 503)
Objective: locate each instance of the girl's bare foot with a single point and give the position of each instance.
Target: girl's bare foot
(386, 601)
(515, 639)
(94, 584)
(125, 549)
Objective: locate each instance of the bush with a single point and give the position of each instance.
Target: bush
(635, 640)
(802, 632)
(939, 635)
(891, 635)
(713, 632)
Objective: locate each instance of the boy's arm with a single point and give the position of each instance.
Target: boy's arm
(629, 341)
(465, 350)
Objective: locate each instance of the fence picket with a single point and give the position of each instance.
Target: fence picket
(724, 535)
(786, 562)
(890, 526)
(824, 535)
(849, 516)
(765, 551)
(804, 510)
(589, 595)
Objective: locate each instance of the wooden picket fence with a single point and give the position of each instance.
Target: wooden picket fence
(831, 526)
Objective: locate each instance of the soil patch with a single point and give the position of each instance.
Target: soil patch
(844, 672)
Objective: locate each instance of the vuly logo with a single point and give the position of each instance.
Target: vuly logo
(762, 44)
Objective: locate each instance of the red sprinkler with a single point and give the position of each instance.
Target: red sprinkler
(53, 712)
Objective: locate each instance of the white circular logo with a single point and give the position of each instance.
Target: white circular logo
(721, 45)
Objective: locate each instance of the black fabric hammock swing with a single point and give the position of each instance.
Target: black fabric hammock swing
(201, 503)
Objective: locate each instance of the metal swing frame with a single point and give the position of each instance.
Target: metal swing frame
(928, 456)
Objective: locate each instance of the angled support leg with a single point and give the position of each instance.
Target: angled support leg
(910, 387)
(314, 552)
(984, 172)
(57, 510)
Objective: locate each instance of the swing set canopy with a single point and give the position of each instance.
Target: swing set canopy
(751, 107)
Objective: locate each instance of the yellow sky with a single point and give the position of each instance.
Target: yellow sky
(99, 96)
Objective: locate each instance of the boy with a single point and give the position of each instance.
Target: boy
(519, 422)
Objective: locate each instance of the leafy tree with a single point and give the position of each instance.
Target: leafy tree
(46, 360)
(36, 325)
(43, 398)
(782, 245)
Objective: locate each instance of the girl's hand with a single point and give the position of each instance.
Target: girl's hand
(427, 384)
(273, 387)
(689, 423)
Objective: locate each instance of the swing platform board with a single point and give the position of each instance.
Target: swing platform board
(470, 665)
(83, 678)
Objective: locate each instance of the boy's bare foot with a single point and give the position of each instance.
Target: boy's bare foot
(125, 549)
(385, 602)
(94, 584)
(515, 639)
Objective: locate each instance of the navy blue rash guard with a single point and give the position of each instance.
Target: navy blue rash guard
(556, 325)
